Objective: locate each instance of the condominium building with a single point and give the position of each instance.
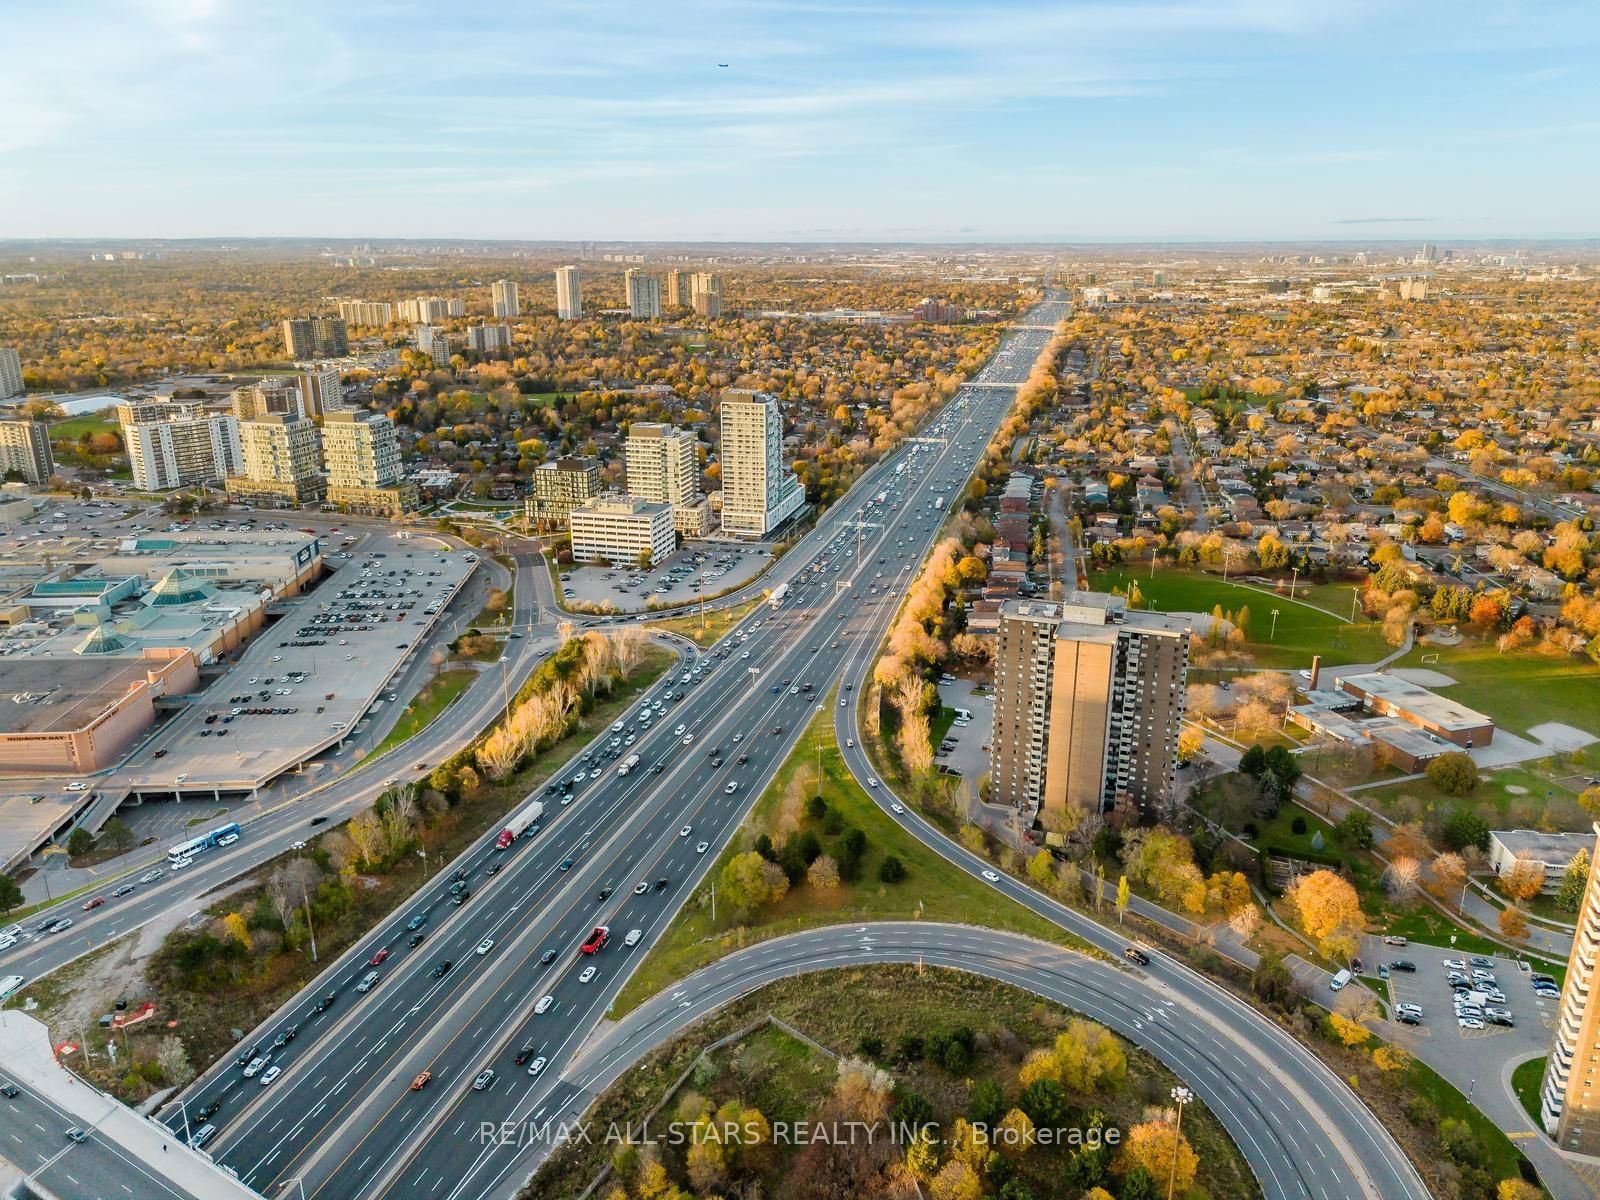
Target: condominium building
(423, 309)
(281, 462)
(435, 343)
(315, 337)
(621, 529)
(177, 443)
(504, 297)
(759, 492)
(10, 373)
(265, 396)
(705, 294)
(321, 391)
(1569, 1100)
(363, 460)
(1088, 698)
(25, 449)
(664, 467)
(366, 312)
(675, 289)
(569, 294)
(644, 295)
(487, 339)
(559, 487)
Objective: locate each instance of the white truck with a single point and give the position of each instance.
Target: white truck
(775, 598)
(627, 764)
(517, 823)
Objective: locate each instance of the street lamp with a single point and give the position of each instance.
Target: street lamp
(1182, 1096)
(1273, 635)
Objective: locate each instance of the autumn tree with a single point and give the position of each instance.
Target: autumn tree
(1328, 911)
(1513, 924)
(1525, 879)
(1161, 1149)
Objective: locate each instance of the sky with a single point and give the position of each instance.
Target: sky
(833, 120)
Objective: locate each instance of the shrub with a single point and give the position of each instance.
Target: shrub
(891, 870)
(1453, 773)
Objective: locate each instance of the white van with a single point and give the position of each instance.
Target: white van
(1338, 982)
(963, 714)
(202, 1135)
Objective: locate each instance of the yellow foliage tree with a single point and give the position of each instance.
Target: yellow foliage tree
(1351, 1033)
(233, 925)
(1328, 910)
(1161, 1149)
(1015, 1134)
(955, 1182)
(1391, 1058)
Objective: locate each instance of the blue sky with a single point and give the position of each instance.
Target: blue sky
(1097, 120)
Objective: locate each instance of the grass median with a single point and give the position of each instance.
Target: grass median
(425, 708)
(932, 888)
(709, 629)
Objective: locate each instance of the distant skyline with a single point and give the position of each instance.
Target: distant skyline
(1211, 120)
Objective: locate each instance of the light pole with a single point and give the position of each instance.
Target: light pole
(1182, 1095)
(305, 899)
(1273, 635)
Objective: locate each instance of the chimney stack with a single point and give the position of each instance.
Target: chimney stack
(1316, 672)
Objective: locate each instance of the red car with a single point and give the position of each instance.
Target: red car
(95, 903)
(377, 960)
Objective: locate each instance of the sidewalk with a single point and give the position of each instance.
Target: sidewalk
(29, 1059)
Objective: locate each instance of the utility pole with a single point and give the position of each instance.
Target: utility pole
(305, 899)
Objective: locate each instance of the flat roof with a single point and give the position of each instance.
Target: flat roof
(1405, 737)
(1541, 845)
(1416, 699)
(57, 693)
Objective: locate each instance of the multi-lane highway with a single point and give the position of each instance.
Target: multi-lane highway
(341, 1117)
(1301, 1131)
(158, 890)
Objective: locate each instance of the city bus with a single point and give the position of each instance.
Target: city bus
(222, 834)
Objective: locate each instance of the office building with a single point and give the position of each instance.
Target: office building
(366, 312)
(489, 339)
(621, 529)
(675, 290)
(1569, 1100)
(759, 493)
(705, 294)
(1088, 698)
(569, 294)
(664, 467)
(559, 487)
(10, 373)
(25, 449)
(315, 337)
(281, 463)
(503, 295)
(644, 295)
(178, 443)
(363, 460)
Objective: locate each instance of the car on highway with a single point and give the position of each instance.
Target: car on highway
(461, 897)
(485, 946)
(897, 807)
(150, 876)
(325, 1003)
(124, 890)
(255, 1066)
(536, 1066)
(421, 1080)
(442, 968)
(378, 959)
(587, 974)
(418, 920)
(688, 739)
(702, 847)
(566, 864)
(548, 957)
(76, 1135)
(544, 1004)
(731, 788)
(1135, 955)
(525, 1053)
(484, 1080)
(269, 1075)
(992, 876)
(96, 902)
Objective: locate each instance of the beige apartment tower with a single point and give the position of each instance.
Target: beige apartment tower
(1088, 699)
(675, 290)
(315, 337)
(281, 468)
(1569, 1101)
(559, 487)
(10, 373)
(664, 467)
(705, 294)
(569, 294)
(644, 295)
(363, 460)
(759, 493)
(176, 443)
(504, 297)
(25, 449)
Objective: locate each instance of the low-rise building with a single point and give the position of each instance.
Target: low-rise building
(1552, 853)
(622, 529)
(1389, 695)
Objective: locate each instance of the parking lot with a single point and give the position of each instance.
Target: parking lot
(1440, 1039)
(712, 567)
(969, 755)
(311, 677)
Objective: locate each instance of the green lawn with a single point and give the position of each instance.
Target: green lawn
(1526, 1080)
(1549, 797)
(1500, 1152)
(1520, 689)
(426, 707)
(933, 889)
(73, 428)
(717, 622)
(1301, 629)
